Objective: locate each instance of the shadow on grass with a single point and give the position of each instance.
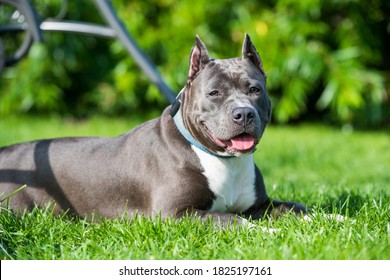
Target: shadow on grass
(5, 252)
(348, 203)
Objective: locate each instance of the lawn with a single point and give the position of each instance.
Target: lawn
(332, 170)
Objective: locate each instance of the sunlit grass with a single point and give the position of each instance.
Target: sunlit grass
(332, 171)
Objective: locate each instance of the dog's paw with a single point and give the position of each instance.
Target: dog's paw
(335, 217)
(251, 226)
(247, 224)
(270, 230)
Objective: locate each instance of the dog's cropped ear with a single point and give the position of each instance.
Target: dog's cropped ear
(198, 59)
(249, 51)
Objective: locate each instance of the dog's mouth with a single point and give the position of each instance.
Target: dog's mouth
(243, 142)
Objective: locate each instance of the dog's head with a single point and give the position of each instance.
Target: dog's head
(225, 104)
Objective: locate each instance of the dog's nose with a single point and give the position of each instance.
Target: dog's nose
(243, 115)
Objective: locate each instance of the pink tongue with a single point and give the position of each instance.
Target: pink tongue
(242, 142)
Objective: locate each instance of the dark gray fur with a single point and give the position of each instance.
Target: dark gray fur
(151, 169)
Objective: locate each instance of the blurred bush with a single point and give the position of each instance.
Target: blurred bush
(326, 60)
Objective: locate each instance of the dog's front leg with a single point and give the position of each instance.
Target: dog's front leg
(275, 209)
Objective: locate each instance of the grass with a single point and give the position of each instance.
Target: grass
(330, 170)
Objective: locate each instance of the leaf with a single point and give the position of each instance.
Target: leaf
(327, 95)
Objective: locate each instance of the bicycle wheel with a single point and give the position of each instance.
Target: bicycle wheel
(14, 30)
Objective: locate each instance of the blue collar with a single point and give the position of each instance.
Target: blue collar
(178, 120)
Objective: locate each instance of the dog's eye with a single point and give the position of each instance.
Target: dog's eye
(214, 93)
(254, 90)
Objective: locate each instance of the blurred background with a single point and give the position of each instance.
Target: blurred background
(327, 61)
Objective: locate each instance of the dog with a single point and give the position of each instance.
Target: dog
(195, 159)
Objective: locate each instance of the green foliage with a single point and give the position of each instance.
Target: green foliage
(323, 58)
(320, 51)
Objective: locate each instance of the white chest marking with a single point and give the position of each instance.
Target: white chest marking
(232, 180)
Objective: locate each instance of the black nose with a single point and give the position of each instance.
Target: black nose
(243, 115)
